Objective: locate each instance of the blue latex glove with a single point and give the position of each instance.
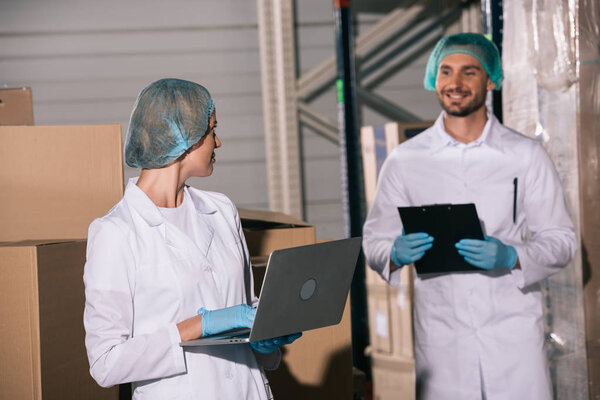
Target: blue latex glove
(487, 254)
(410, 248)
(268, 346)
(225, 319)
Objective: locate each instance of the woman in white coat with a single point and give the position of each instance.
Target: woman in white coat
(169, 263)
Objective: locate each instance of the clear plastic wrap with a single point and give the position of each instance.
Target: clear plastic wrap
(552, 49)
(588, 62)
(551, 92)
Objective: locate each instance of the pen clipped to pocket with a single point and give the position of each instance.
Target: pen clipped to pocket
(515, 184)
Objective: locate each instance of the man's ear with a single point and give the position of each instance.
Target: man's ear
(490, 85)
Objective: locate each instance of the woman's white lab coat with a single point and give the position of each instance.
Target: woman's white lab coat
(143, 276)
(478, 332)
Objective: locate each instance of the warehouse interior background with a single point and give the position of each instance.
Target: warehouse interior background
(270, 66)
(86, 62)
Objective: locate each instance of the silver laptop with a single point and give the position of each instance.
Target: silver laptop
(304, 288)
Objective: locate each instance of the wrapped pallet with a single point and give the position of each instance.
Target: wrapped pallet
(552, 72)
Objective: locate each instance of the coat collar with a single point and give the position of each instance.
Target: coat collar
(489, 137)
(146, 208)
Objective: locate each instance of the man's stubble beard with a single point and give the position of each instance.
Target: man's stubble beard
(474, 105)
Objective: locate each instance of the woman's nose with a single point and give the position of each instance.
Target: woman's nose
(217, 142)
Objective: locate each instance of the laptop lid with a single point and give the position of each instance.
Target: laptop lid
(304, 288)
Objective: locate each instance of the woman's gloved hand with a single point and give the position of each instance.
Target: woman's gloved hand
(410, 248)
(268, 346)
(225, 319)
(487, 254)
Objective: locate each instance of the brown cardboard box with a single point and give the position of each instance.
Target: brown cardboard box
(42, 348)
(390, 318)
(390, 308)
(57, 179)
(16, 106)
(319, 364)
(393, 377)
(266, 231)
(380, 328)
(377, 142)
(401, 306)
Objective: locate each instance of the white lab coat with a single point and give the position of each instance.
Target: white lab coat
(143, 276)
(477, 333)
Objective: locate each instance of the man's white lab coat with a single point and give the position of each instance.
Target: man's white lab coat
(478, 332)
(143, 275)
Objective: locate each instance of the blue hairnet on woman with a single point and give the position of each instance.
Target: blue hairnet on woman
(170, 115)
(169, 263)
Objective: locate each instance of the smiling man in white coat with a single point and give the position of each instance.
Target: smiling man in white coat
(478, 335)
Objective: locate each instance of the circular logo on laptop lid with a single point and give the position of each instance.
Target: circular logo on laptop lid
(308, 289)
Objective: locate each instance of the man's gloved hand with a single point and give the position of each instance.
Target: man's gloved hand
(268, 346)
(487, 254)
(410, 248)
(224, 319)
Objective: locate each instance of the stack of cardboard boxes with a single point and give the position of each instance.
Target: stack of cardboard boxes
(390, 308)
(55, 181)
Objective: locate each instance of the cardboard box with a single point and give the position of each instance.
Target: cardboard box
(390, 318)
(319, 364)
(377, 142)
(16, 106)
(57, 179)
(390, 308)
(380, 324)
(393, 377)
(401, 306)
(266, 231)
(42, 349)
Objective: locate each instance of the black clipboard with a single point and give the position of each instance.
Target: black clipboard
(447, 223)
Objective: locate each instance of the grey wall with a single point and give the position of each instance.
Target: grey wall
(86, 61)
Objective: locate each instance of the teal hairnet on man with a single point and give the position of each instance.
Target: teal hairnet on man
(478, 334)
